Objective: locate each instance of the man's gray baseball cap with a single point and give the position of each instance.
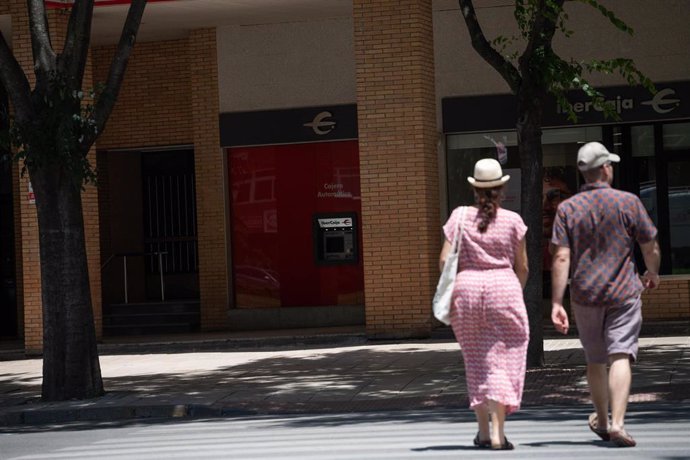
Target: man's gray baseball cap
(592, 155)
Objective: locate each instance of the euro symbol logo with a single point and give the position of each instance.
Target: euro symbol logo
(661, 105)
(320, 125)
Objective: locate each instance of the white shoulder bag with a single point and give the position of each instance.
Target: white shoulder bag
(444, 289)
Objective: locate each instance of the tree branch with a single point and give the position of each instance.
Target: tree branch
(536, 62)
(72, 62)
(479, 42)
(543, 26)
(107, 98)
(14, 80)
(44, 56)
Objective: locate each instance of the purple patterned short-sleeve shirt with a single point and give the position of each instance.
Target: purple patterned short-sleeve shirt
(600, 225)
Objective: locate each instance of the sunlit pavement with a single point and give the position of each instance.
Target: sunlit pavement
(537, 432)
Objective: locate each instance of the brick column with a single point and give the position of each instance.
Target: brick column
(26, 232)
(210, 180)
(399, 166)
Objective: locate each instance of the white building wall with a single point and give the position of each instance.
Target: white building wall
(660, 45)
(312, 63)
(287, 65)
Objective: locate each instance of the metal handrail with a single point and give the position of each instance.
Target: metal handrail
(124, 256)
(112, 256)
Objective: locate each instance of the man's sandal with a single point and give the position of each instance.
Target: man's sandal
(621, 438)
(603, 433)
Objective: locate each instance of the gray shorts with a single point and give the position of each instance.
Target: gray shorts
(605, 331)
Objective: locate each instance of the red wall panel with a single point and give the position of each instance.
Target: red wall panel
(275, 192)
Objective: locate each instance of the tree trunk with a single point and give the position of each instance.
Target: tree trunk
(530, 108)
(71, 368)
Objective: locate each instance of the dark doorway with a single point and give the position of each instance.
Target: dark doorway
(169, 211)
(149, 242)
(8, 291)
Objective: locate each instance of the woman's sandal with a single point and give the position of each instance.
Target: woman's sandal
(507, 445)
(481, 444)
(603, 433)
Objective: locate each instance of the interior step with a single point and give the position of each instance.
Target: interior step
(151, 318)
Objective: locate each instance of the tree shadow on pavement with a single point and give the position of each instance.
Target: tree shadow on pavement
(364, 379)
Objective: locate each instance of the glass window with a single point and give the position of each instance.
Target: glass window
(464, 150)
(276, 191)
(676, 136)
(642, 138)
(679, 215)
(561, 178)
(643, 150)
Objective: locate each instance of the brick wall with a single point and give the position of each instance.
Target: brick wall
(210, 180)
(26, 229)
(670, 301)
(399, 165)
(170, 97)
(154, 104)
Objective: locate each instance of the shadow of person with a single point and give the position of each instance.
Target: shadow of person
(446, 448)
(597, 443)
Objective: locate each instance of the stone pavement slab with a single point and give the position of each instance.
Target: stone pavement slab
(345, 378)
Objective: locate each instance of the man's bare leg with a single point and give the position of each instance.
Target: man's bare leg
(620, 377)
(598, 380)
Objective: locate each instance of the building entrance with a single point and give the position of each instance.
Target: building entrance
(148, 240)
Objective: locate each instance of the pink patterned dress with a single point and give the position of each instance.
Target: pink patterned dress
(488, 314)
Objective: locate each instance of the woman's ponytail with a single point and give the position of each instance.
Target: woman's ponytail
(488, 200)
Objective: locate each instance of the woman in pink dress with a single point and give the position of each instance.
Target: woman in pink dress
(488, 313)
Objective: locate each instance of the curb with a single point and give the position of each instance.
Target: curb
(91, 414)
(187, 412)
(441, 333)
(210, 345)
(132, 413)
(33, 417)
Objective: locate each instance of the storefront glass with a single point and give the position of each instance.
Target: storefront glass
(652, 137)
(560, 179)
(642, 149)
(295, 225)
(676, 136)
(679, 214)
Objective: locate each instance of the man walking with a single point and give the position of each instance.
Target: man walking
(594, 234)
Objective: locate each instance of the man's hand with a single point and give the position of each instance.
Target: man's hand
(650, 280)
(559, 317)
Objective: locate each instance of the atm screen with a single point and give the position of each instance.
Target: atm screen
(335, 243)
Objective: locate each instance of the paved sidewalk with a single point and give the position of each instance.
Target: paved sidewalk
(321, 379)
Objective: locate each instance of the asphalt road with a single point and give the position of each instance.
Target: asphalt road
(662, 432)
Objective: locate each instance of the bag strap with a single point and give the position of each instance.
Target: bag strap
(461, 225)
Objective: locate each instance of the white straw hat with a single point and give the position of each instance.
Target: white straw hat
(487, 174)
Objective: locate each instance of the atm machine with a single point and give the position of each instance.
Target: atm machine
(335, 238)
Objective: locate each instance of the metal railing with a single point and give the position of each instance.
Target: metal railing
(124, 256)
